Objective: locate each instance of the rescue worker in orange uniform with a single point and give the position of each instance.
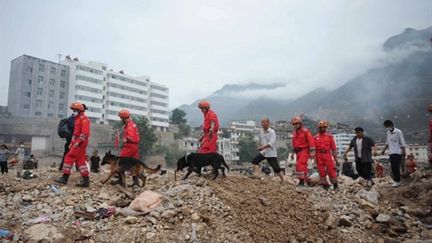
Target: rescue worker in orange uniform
(130, 140)
(210, 128)
(411, 164)
(326, 156)
(304, 147)
(379, 169)
(78, 147)
(131, 137)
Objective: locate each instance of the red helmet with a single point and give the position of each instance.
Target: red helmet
(323, 123)
(124, 113)
(296, 119)
(204, 104)
(76, 106)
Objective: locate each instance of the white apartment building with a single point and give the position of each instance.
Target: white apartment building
(238, 129)
(343, 140)
(105, 92)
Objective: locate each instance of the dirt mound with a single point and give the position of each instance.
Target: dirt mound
(271, 212)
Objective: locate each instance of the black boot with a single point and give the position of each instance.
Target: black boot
(301, 183)
(85, 182)
(326, 187)
(63, 180)
(335, 186)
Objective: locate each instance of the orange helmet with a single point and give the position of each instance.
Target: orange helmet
(296, 119)
(323, 123)
(76, 106)
(124, 113)
(204, 104)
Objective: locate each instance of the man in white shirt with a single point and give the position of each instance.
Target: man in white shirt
(396, 144)
(267, 150)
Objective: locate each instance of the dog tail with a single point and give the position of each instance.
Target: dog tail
(225, 164)
(151, 170)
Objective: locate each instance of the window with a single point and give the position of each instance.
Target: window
(29, 69)
(61, 116)
(29, 81)
(88, 69)
(85, 88)
(62, 84)
(61, 107)
(38, 103)
(50, 114)
(41, 67)
(28, 94)
(63, 73)
(88, 79)
(51, 93)
(53, 70)
(38, 113)
(40, 80)
(61, 95)
(26, 106)
(50, 105)
(39, 91)
(52, 82)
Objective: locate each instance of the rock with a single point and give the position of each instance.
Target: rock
(17, 198)
(195, 217)
(417, 211)
(200, 182)
(152, 220)
(370, 196)
(167, 214)
(131, 220)
(331, 222)
(383, 218)
(155, 214)
(28, 198)
(43, 232)
(426, 234)
(264, 201)
(345, 221)
(150, 235)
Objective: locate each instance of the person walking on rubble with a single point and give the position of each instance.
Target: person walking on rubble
(77, 152)
(326, 156)
(304, 147)
(363, 147)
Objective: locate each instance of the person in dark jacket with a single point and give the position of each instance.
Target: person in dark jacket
(4, 154)
(68, 140)
(363, 146)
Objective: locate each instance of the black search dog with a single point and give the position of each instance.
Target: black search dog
(195, 161)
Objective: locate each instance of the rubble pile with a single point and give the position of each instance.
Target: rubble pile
(231, 209)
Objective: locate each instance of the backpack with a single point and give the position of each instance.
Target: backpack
(65, 127)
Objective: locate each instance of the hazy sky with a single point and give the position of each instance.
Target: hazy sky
(195, 47)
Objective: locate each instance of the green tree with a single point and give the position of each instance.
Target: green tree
(184, 131)
(247, 148)
(178, 116)
(146, 132)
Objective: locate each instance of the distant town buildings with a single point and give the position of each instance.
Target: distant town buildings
(41, 88)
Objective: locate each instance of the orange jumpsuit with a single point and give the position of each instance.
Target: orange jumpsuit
(130, 140)
(303, 144)
(78, 145)
(325, 148)
(209, 144)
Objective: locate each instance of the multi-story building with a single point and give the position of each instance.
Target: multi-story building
(38, 88)
(343, 140)
(41, 88)
(105, 92)
(237, 130)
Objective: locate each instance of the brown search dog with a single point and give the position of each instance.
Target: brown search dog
(119, 165)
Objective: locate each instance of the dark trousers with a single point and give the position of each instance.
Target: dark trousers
(364, 170)
(4, 168)
(66, 150)
(395, 160)
(272, 161)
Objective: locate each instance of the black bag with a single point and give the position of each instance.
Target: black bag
(65, 127)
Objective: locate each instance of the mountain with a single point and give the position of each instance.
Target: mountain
(230, 105)
(400, 90)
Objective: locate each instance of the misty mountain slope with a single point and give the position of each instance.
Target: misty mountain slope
(400, 90)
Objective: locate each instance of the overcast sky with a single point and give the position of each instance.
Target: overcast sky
(195, 47)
